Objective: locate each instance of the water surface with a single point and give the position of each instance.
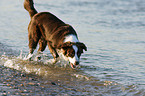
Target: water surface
(113, 65)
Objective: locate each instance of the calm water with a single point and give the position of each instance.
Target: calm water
(114, 64)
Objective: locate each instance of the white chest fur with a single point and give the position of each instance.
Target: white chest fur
(71, 38)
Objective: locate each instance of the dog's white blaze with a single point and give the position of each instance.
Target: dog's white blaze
(75, 58)
(71, 38)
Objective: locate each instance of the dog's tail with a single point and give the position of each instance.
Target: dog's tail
(29, 6)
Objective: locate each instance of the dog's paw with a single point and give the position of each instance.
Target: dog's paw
(52, 61)
(37, 58)
(29, 57)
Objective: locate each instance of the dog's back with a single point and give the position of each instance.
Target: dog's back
(48, 25)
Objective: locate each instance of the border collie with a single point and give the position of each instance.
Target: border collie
(46, 29)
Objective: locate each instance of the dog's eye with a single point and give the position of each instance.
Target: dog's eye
(70, 54)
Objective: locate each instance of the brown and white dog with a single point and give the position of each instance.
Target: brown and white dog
(46, 29)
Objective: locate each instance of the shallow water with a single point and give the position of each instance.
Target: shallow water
(113, 31)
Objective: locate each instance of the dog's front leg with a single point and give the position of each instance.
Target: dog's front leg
(54, 54)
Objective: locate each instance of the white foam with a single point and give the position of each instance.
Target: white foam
(11, 64)
(81, 76)
(28, 57)
(35, 67)
(20, 56)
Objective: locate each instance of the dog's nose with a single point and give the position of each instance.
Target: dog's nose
(77, 63)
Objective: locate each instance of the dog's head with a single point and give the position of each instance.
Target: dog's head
(72, 51)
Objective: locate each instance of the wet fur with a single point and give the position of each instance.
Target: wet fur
(46, 29)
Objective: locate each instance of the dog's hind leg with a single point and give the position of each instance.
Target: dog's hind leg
(34, 36)
(42, 46)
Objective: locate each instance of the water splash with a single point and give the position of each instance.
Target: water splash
(39, 67)
(62, 75)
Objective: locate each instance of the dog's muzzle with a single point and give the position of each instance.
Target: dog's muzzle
(75, 64)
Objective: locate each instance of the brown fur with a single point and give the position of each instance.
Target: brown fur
(29, 6)
(47, 29)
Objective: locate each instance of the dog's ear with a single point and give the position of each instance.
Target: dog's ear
(82, 45)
